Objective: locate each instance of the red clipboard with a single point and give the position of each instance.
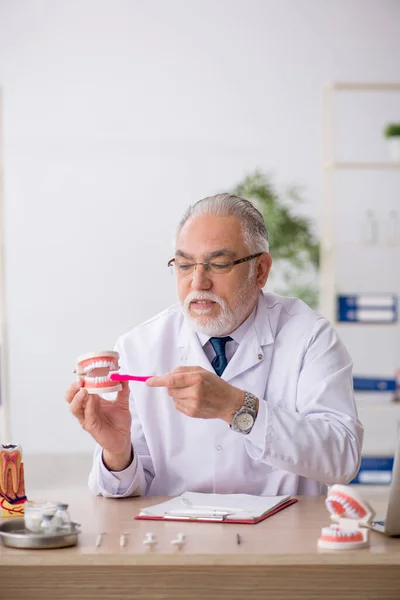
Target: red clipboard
(271, 512)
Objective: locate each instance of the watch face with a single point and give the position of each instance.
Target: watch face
(244, 421)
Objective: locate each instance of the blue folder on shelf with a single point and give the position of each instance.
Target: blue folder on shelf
(373, 384)
(375, 470)
(367, 308)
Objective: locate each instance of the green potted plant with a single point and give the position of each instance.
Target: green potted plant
(293, 244)
(392, 133)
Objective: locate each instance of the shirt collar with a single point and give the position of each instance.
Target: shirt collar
(236, 335)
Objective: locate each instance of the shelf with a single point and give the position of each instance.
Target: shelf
(358, 324)
(373, 166)
(354, 86)
(360, 246)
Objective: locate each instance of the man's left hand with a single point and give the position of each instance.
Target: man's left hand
(200, 394)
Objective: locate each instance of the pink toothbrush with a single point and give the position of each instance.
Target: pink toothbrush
(122, 377)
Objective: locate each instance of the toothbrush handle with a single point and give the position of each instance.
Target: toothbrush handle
(123, 377)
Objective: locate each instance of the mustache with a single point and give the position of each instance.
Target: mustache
(193, 296)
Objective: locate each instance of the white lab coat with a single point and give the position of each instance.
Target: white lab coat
(307, 433)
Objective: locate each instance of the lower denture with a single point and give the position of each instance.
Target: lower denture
(98, 382)
(336, 535)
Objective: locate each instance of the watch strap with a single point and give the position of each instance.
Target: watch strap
(250, 407)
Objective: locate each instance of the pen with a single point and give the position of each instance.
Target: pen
(204, 517)
(189, 504)
(223, 509)
(238, 539)
(198, 513)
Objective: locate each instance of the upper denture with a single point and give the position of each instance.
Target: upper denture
(350, 507)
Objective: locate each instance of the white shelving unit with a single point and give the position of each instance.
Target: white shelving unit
(375, 348)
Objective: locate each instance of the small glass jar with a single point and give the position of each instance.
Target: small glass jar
(62, 519)
(33, 514)
(47, 526)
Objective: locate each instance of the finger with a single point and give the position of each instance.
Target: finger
(179, 394)
(159, 381)
(90, 412)
(174, 380)
(72, 390)
(78, 404)
(123, 395)
(185, 408)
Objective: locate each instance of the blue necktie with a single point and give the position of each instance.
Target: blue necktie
(219, 361)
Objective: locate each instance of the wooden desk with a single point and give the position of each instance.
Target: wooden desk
(278, 559)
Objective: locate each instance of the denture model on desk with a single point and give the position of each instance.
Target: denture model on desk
(12, 481)
(351, 515)
(94, 369)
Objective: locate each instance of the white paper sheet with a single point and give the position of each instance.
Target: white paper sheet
(228, 506)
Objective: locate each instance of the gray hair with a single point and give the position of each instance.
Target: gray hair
(255, 233)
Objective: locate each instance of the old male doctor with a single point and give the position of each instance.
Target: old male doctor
(252, 391)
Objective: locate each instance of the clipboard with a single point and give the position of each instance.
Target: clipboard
(213, 516)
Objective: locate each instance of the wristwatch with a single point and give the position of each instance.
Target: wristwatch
(243, 420)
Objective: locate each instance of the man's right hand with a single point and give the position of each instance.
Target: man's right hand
(109, 423)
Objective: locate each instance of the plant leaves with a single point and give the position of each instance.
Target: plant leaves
(291, 236)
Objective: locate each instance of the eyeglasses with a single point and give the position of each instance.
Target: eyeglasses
(184, 267)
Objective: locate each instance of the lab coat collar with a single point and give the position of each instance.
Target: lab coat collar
(249, 353)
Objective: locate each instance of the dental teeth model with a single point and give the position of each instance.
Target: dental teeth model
(94, 368)
(150, 540)
(179, 541)
(12, 482)
(352, 517)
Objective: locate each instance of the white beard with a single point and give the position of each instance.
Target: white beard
(228, 320)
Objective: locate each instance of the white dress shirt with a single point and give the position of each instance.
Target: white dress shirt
(231, 346)
(306, 435)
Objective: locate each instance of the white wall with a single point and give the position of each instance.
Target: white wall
(119, 114)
